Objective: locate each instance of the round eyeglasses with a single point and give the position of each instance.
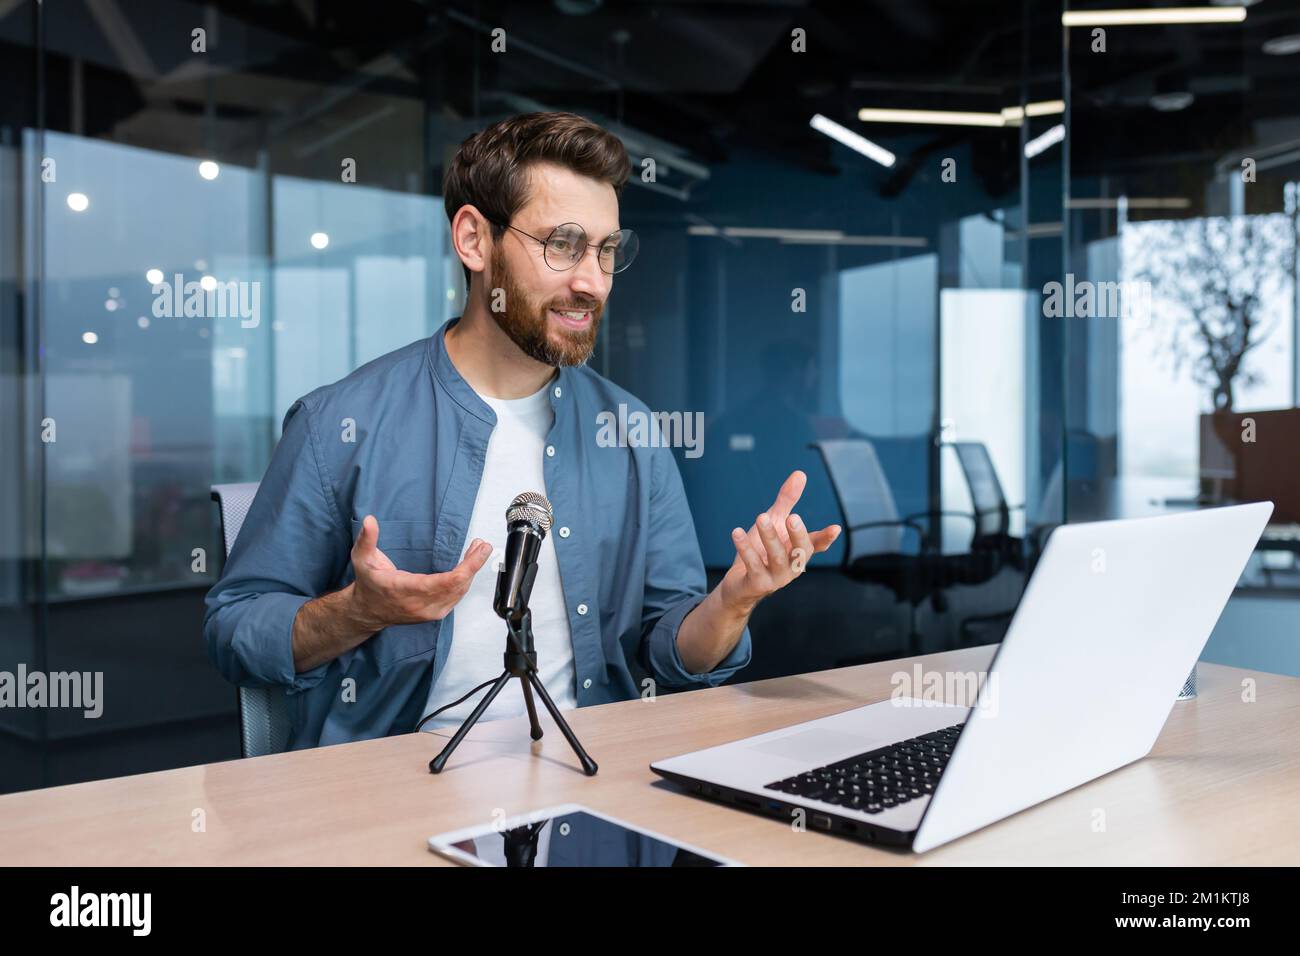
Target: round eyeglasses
(567, 244)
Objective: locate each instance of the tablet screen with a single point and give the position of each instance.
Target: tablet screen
(572, 838)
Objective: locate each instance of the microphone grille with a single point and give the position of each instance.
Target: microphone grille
(530, 506)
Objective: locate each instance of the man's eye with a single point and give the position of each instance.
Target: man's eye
(561, 245)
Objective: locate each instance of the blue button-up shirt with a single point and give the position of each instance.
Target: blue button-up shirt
(404, 438)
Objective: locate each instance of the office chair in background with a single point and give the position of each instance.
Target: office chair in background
(993, 536)
(993, 547)
(263, 711)
(875, 550)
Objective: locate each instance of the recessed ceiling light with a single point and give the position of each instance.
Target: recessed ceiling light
(1283, 46)
(852, 140)
(209, 170)
(1171, 102)
(936, 117)
(1122, 18)
(1008, 116)
(1130, 202)
(1013, 115)
(1042, 142)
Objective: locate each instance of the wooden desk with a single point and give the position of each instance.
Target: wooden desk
(1221, 787)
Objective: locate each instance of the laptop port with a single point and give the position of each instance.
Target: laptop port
(821, 820)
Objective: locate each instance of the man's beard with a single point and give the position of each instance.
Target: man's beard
(528, 324)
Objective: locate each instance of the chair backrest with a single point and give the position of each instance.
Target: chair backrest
(992, 516)
(864, 496)
(263, 711)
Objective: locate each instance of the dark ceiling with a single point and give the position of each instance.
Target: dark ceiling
(705, 77)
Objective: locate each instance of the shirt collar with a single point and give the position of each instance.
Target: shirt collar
(444, 372)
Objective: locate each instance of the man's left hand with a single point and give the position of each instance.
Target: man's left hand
(774, 551)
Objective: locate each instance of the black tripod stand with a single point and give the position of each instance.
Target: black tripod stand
(520, 661)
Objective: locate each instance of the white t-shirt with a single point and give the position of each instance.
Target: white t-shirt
(513, 464)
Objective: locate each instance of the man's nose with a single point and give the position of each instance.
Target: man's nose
(588, 278)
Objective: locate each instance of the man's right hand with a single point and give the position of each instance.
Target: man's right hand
(381, 596)
(385, 595)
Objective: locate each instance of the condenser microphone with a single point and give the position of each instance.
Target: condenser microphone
(527, 520)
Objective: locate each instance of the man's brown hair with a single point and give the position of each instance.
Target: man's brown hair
(490, 169)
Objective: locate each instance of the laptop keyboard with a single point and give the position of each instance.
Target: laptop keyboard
(878, 779)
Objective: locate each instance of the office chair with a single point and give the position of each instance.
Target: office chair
(874, 533)
(263, 711)
(993, 546)
(993, 537)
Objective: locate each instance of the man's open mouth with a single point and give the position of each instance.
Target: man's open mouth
(572, 318)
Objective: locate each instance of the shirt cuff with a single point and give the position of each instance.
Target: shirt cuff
(263, 642)
(664, 660)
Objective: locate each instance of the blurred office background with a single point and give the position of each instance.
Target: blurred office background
(881, 315)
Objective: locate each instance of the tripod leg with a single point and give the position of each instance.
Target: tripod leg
(588, 765)
(535, 730)
(440, 761)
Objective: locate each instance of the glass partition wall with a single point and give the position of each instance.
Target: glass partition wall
(851, 217)
(1182, 223)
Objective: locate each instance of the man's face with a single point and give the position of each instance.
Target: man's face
(539, 302)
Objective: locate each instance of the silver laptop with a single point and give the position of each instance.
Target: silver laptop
(1113, 619)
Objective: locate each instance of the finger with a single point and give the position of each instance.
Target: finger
(788, 496)
(756, 540)
(782, 532)
(438, 585)
(824, 538)
(476, 556)
(753, 564)
(778, 562)
(463, 573)
(799, 538)
(365, 552)
(368, 536)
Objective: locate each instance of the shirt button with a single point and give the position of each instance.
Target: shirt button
(582, 609)
(564, 532)
(550, 451)
(586, 683)
(557, 391)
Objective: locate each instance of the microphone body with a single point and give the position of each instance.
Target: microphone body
(527, 520)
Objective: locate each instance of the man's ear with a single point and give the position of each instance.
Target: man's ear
(472, 238)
